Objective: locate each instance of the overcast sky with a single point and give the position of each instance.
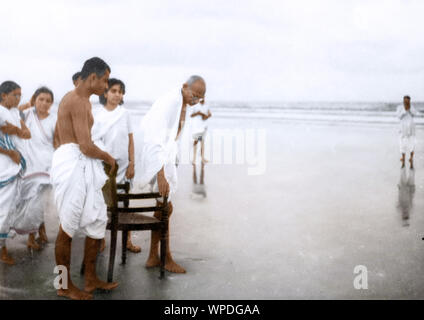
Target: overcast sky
(246, 50)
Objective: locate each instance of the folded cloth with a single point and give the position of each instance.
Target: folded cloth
(77, 182)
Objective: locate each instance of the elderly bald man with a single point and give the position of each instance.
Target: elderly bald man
(157, 149)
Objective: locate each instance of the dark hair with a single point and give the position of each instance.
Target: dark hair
(407, 97)
(94, 65)
(76, 76)
(7, 87)
(111, 83)
(39, 91)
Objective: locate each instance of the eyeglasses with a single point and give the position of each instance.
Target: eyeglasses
(195, 98)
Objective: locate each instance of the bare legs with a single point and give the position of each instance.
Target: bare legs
(4, 255)
(202, 150)
(31, 243)
(195, 151)
(42, 234)
(411, 160)
(63, 258)
(90, 256)
(130, 246)
(153, 260)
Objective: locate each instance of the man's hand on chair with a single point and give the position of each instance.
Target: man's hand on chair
(110, 161)
(162, 183)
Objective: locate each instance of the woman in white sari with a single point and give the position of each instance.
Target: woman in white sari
(38, 152)
(12, 164)
(112, 131)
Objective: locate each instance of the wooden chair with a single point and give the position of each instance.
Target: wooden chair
(127, 218)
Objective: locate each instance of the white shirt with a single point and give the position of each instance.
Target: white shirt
(407, 125)
(198, 125)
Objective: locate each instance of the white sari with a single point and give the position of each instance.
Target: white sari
(38, 153)
(110, 133)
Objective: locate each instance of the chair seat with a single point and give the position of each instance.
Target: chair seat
(135, 221)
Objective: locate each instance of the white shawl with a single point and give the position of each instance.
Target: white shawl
(38, 151)
(104, 128)
(156, 140)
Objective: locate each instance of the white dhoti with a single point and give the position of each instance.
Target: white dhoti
(407, 144)
(77, 183)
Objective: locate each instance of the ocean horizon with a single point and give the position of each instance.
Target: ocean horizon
(333, 112)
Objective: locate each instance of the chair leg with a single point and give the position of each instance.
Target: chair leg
(113, 238)
(163, 235)
(82, 270)
(124, 246)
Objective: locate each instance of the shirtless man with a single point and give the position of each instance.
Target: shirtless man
(71, 160)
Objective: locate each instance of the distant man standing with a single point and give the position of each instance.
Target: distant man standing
(77, 177)
(199, 124)
(406, 114)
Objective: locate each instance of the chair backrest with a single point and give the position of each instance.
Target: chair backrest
(109, 189)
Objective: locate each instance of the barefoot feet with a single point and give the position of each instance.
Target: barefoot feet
(31, 243)
(170, 264)
(5, 257)
(42, 235)
(94, 284)
(132, 248)
(74, 293)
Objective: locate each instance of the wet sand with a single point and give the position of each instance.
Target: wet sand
(328, 201)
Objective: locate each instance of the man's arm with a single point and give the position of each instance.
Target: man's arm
(130, 170)
(194, 114)
(82, 133)
(162, 183)
(207, 116)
